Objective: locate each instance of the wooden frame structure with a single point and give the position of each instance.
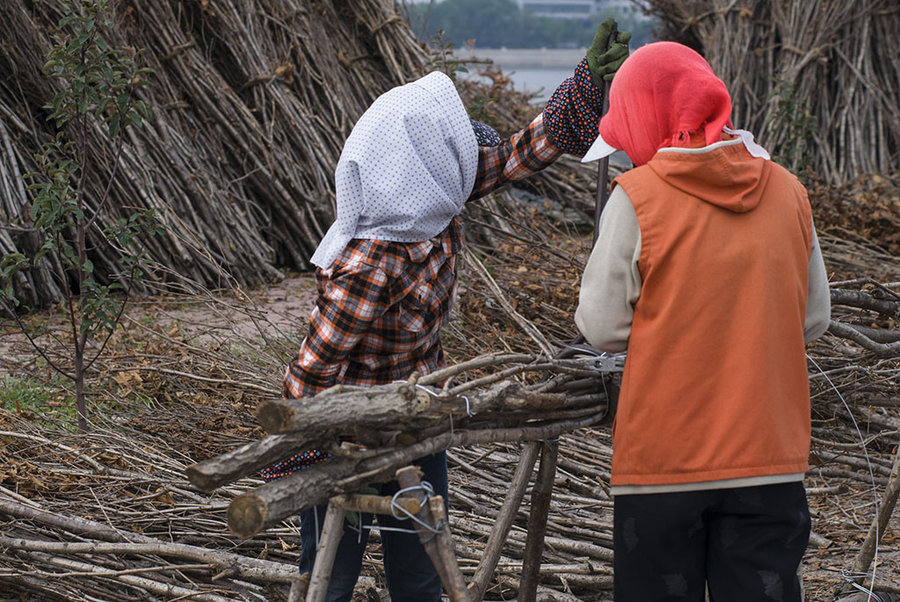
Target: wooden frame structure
(434, 532)
(401, 422)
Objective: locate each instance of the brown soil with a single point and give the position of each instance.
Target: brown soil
(182, 378)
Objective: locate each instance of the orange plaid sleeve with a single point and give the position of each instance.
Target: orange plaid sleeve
(522, 154)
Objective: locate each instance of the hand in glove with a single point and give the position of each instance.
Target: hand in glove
(605, 58)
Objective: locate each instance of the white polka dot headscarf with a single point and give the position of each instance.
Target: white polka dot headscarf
(406, 169)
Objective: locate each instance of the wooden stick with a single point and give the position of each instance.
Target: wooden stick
(251, 569)
(849, 332)
(483, 361)
(603, 167)
(880, 523)
(504, 521)
(864, 300)
(376, 504)
(536, 335)
(146, 583)
(447, 550)
(329, 540)
(299, 589)
(436, 540)
(394, 404)
(267, 504)
(363, 413)
(238, 463)
(537, 521)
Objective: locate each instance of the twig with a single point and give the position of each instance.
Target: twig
(524, 324)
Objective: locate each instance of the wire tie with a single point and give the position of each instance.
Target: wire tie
(397, 510)
(468, 409)
(426, 389)
(862, 442)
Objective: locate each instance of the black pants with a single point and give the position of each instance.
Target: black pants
(745, 544)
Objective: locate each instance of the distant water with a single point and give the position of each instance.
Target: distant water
(531, 70)
(539, 71)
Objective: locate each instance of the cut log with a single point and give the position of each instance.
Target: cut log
(240, 462)
(269, 503)
(396, 405)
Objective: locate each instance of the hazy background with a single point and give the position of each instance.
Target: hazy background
(536, 43)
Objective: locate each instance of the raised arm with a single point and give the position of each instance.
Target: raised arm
(568, 123)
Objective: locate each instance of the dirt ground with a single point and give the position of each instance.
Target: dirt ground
(182, 378)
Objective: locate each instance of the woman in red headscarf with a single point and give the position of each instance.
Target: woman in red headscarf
(707, 270)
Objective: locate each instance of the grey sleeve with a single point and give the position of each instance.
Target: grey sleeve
(611, 283)
(818, 298)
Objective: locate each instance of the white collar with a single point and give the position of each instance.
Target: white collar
(743, 136)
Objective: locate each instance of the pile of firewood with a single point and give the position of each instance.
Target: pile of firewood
(817, 81)
(392, 425)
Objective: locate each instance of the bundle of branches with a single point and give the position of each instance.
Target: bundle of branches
(250, 105)
(855, 457)
(854, 375)
(397, 424)
(865, 210)
(251, 101)
(127, 475)
(816, 81)
(114, 548)
(186, 376)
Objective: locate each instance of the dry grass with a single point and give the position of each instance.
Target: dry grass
(187, 374)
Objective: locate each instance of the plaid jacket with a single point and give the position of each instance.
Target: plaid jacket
(381, 305)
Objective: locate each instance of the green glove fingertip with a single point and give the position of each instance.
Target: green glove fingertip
(595, 54)
(602, 35)
(609, 70)
(618, 51)
(604, 61)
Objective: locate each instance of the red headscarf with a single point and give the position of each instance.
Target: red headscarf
(663, 93)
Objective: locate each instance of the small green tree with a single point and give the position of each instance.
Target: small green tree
(792, 117)
(99, 91)
(441, 57)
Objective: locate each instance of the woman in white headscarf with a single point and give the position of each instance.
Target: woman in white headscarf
(387, 270)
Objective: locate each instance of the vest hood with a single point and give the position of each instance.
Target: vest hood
(722, 174)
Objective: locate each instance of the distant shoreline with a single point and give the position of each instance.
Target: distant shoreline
(533, 70)
(532, 58)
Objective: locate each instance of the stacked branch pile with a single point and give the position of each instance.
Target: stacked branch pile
(396, 424)
(110, 515)
(251, 101)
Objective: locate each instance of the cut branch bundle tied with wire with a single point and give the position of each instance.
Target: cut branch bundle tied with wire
(392, 425)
